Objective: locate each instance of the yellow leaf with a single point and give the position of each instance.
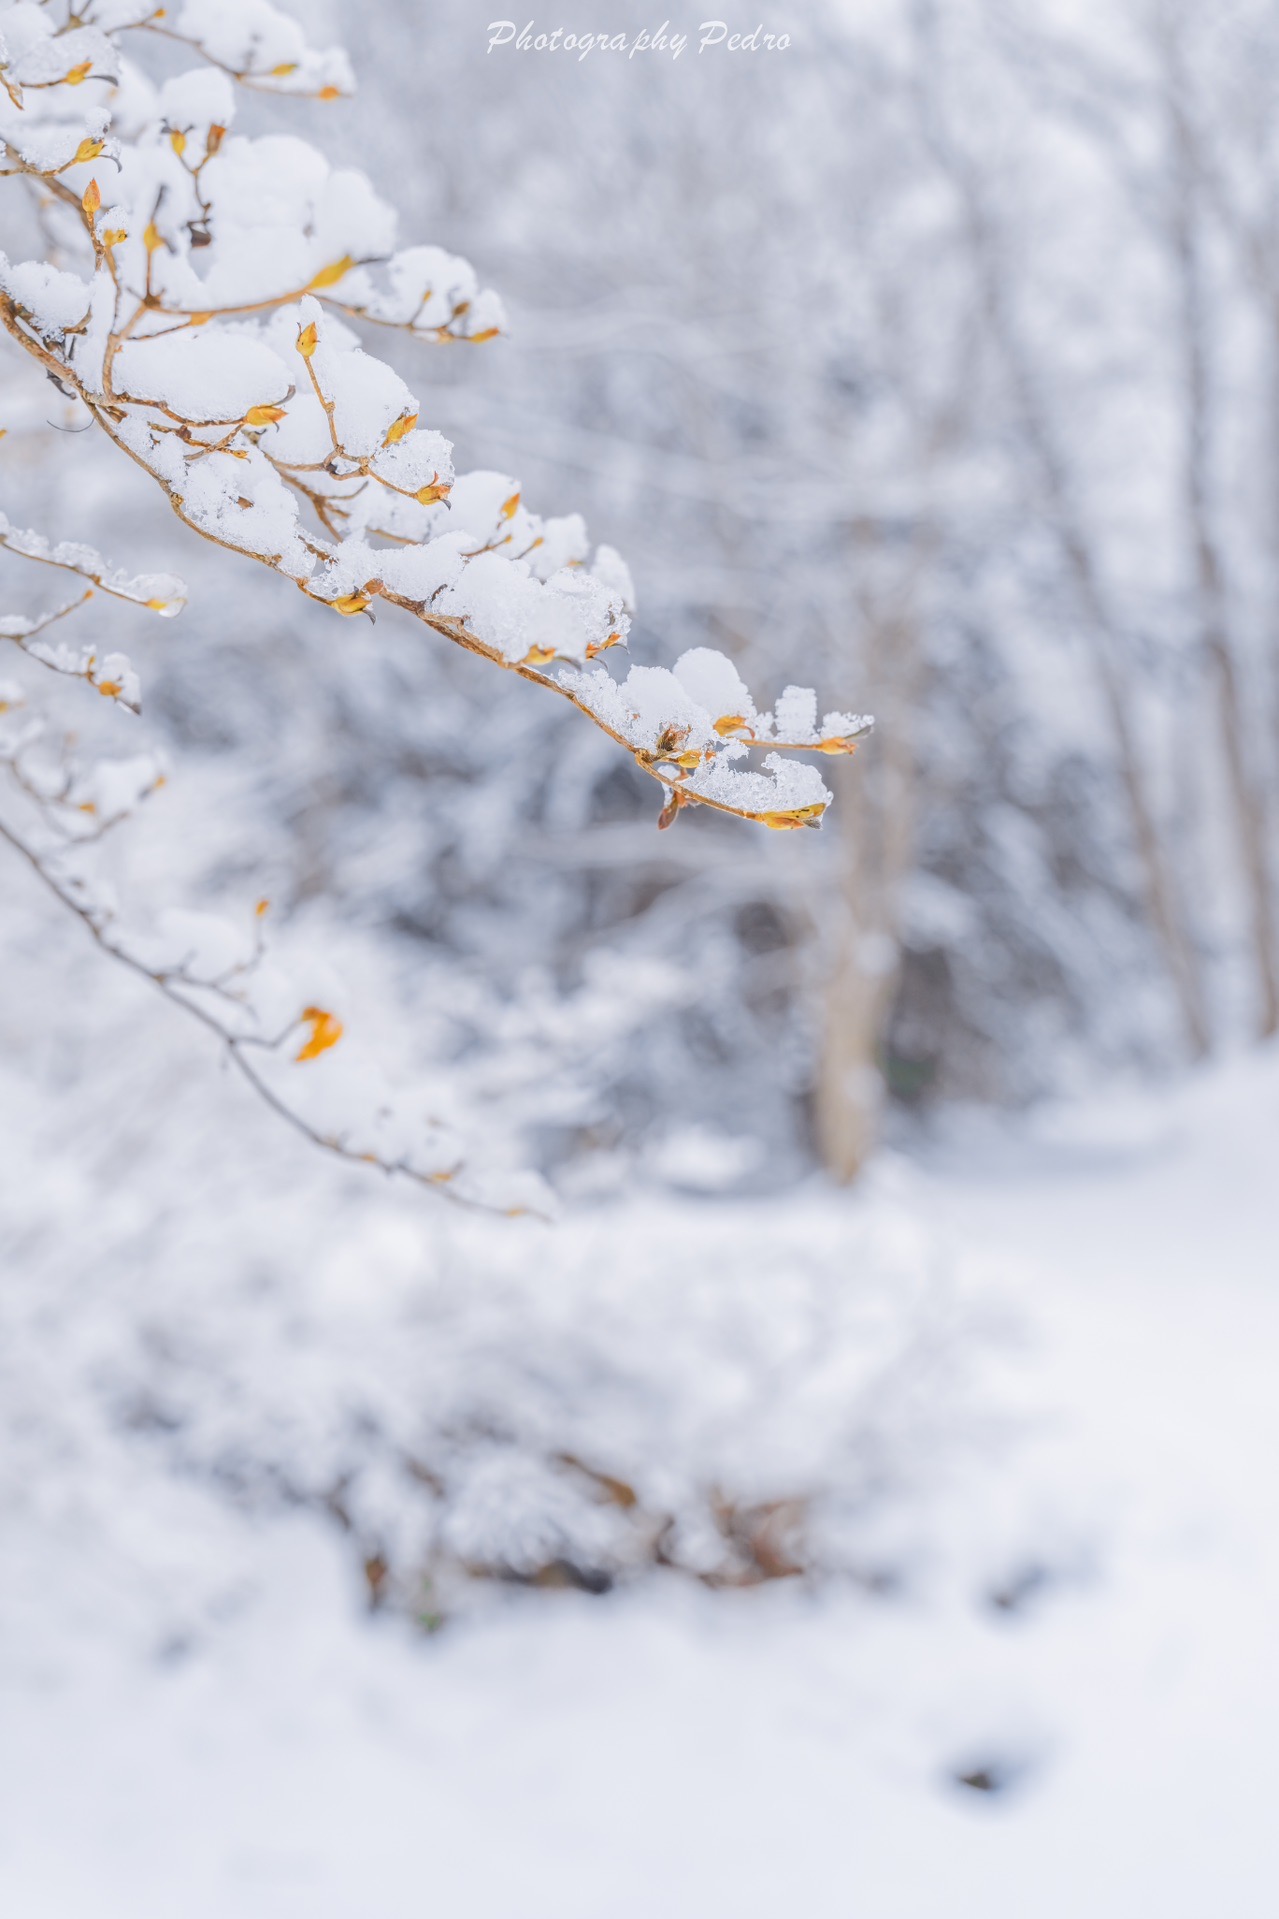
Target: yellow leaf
(92, 198)
(284, 69)
(326, 1031)
(109, 688)
(263, 415)
(840, 745)
(402, 428)
(77, 74)
(87, 150)
(329, 276)
(261, 910)
(153, 238)
(688, 761)
(509, 507)
(308, 340)
(802, 816)
(199, 319)
(351, 603)
(428, 495)
(178, 141)
(538, 656)
(486, 333)
(329, 93)
(114, 236)
(730, 723)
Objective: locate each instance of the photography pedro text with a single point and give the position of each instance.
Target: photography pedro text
(711, 33)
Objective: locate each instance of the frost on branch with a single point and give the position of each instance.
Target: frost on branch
(203, 308)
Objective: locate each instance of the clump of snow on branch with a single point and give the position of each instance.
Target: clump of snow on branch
(199, 311)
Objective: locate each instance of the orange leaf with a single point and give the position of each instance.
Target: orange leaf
(326, 1031)
(92, 199)
(402, 428)
(108, 688)
(261, 910)
(509, 507)
(263, 415)
(486, 333)
(802, 816)
(216, 136)
(538, 656)
(730, 723)
(77, 74)
(329, 93)
(329, 276)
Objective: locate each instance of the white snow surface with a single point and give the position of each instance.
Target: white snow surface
(200, 1717)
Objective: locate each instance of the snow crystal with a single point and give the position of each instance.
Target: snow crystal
(795, 714)
(710, 678)
(202, 376)
(201, 98)
(784, 786)
(55, 300)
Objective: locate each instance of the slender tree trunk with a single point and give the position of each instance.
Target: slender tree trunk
(876, 801)
(1246, 796)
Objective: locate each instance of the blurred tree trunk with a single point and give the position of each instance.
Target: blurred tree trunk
(1247, 797)
(876, 807)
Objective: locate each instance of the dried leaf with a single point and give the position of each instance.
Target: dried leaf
(92, 198)
(401, 429)
(326, 1031)
(329, 276)
(802, 816)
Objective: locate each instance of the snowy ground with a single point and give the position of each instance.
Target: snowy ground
(201, 1718)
